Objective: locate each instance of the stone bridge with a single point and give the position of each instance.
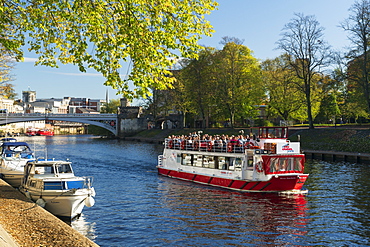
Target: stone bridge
(106, 121)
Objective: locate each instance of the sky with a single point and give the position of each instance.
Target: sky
(258, 22)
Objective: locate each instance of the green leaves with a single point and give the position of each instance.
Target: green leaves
(102, 35)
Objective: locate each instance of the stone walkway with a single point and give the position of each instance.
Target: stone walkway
(23, 224)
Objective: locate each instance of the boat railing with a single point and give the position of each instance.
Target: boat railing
(88, 182)
(231, 146)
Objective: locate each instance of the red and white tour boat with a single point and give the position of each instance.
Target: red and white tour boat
(39, 132)
(45, 132)
(268, 162)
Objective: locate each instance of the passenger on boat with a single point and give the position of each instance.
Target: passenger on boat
(218, 143)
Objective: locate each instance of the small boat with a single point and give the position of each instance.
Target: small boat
(45, 132)
(14, 156)
(53, 185)
(31, 131)
(268, 162)
(39, 132)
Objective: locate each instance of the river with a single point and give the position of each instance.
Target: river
(137, 207)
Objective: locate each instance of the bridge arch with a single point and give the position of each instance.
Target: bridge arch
(106, 121)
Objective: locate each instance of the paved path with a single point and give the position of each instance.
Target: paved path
(6, 240)
(31, 225)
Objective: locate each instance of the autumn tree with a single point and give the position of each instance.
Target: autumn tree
(102, 34)
(302, 40)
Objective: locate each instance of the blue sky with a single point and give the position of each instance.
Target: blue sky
(257, 22)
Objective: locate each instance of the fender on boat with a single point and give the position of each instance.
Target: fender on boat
(89, 201)
(41, 202)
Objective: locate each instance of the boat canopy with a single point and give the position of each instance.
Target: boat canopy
(13, 144)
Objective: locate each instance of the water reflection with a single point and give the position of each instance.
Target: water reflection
(230, 217)
(84, 227)
(136, 207)
(339, 203)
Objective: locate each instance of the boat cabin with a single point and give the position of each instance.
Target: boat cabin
(52, 175)
(16, 150)
(265, 152)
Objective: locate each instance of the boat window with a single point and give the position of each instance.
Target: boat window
(33, 183)
(187, 159)
(44, 170)
(178, 158)
(59, 185)
(199, 160)
(211, 161)
(238, 163)
(250, 161)
(282, 164)
(216, 162)
(231, 162)
(208, 161)
(64, 168)
(75, 184)
(222, 163)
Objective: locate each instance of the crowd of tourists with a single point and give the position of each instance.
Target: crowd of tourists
(197, 141)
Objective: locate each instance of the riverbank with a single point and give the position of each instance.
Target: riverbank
(26, 224)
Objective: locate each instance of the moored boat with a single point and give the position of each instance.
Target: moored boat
(45, 132)
(31, 131)
(53, 185)
(266, 161)
(14, 156)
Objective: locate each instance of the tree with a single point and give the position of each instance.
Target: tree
(111, 106)
(329, 109)
(302, 40)
(238, 81)
(281, 84)
(358, 28)
(102, 34)
(6, 65)
(197, 78)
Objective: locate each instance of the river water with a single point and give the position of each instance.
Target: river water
(137, 207)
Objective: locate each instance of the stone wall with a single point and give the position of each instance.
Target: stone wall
(131, 126)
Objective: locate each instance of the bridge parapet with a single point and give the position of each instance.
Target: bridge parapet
(107, 121)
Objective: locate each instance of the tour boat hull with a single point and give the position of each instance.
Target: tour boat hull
(278, 183)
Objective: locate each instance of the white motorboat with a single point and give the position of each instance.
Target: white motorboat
(14, 156)
(53, 185)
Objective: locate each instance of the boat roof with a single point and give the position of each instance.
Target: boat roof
(14, 144)
(8, 139)
(48, 162)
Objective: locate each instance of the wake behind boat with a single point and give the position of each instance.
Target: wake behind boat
(266, 161)
(14, 156)
(53, 185)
